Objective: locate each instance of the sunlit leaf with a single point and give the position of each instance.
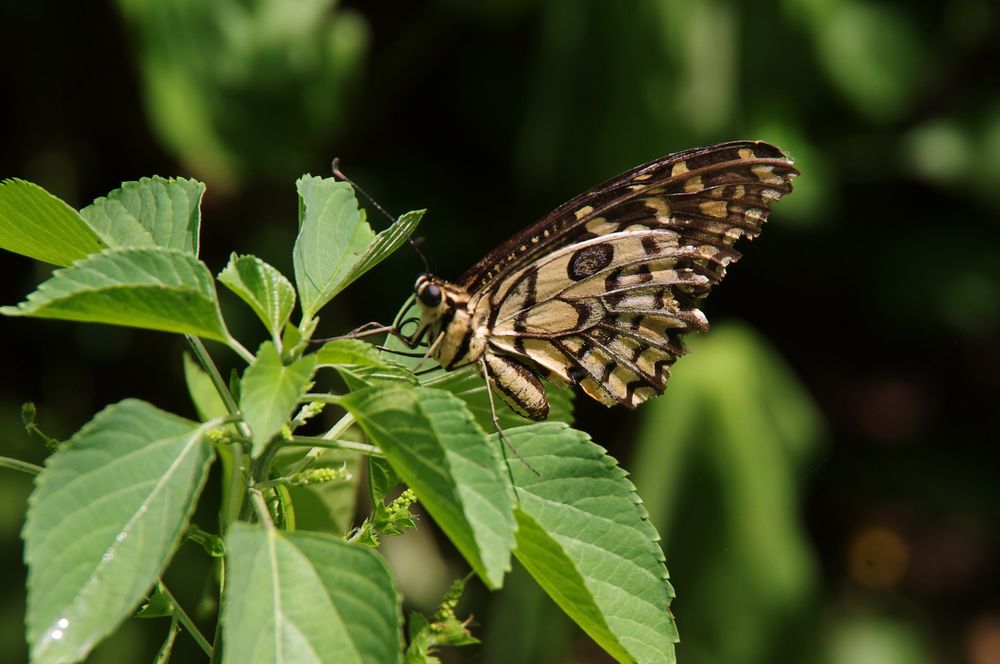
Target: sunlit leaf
(105, 516)
(35, 223)
(158, 289)
(435, 446)
(333, 236)
(269, 392)
(264, 288)
(468, 385)
(584, 536)
(386, 242)
(153, 212)
(307, 597)
(335, 245)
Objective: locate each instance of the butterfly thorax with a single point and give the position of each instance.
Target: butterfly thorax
(447, 322)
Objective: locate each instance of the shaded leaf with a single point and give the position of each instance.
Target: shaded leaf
(202, 391)
(360, 364)
(381, 479)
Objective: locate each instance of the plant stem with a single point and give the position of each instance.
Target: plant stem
(17, 464)
(337, 430)
(232, 484)
(241, 350)
(213, 373)
(257, 498)
(166, 649)
(322, 443)
(185, 620)
(216, 638)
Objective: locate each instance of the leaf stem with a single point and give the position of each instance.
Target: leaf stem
(325, 444)
(163, 656)
(241, 350)
(322, 397)
(185, 620)
(337, 430)
(232, 485)
(17, 464)
(260, 505)
(208, 365)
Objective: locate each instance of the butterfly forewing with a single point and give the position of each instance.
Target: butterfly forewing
(601, 292)
(732, 182)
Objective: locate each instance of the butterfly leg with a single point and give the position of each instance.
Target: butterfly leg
(430, 350)
(366, 330)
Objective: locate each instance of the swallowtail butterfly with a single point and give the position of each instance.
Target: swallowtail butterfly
(600, 292)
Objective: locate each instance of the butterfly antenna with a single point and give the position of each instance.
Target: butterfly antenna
(337, 173)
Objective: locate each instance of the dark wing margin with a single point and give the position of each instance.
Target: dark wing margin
(729, 184)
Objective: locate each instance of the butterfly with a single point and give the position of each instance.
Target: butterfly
(600, 292)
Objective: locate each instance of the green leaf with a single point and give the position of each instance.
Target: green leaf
(203, 394)
(35, 223)
(431, 440)
(360, 364)
(333, 237)
(157, 605)
(106, 514)
(468, 385)
(157, 289)
(307, 597)
(584, 536)
(269, 392)
(385, 243)
(153, 212)
(381, 479)
(335, 245)
(264, 288)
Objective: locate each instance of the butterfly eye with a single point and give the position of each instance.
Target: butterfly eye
(430, 295)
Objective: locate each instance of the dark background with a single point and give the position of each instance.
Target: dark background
(823, 468)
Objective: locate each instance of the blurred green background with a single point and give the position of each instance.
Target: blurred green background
(823, 468)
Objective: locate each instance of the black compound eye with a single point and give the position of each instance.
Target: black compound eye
(430, 295)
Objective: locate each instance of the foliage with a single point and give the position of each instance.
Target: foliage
(113, 503)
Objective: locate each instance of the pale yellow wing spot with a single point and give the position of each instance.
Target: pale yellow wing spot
(693, 184)
(715, 209)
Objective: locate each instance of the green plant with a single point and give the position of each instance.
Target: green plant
(114, 501)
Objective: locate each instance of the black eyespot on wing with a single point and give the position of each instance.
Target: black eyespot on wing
(590, 260)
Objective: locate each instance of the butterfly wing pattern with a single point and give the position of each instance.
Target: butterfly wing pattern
(600, 292)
